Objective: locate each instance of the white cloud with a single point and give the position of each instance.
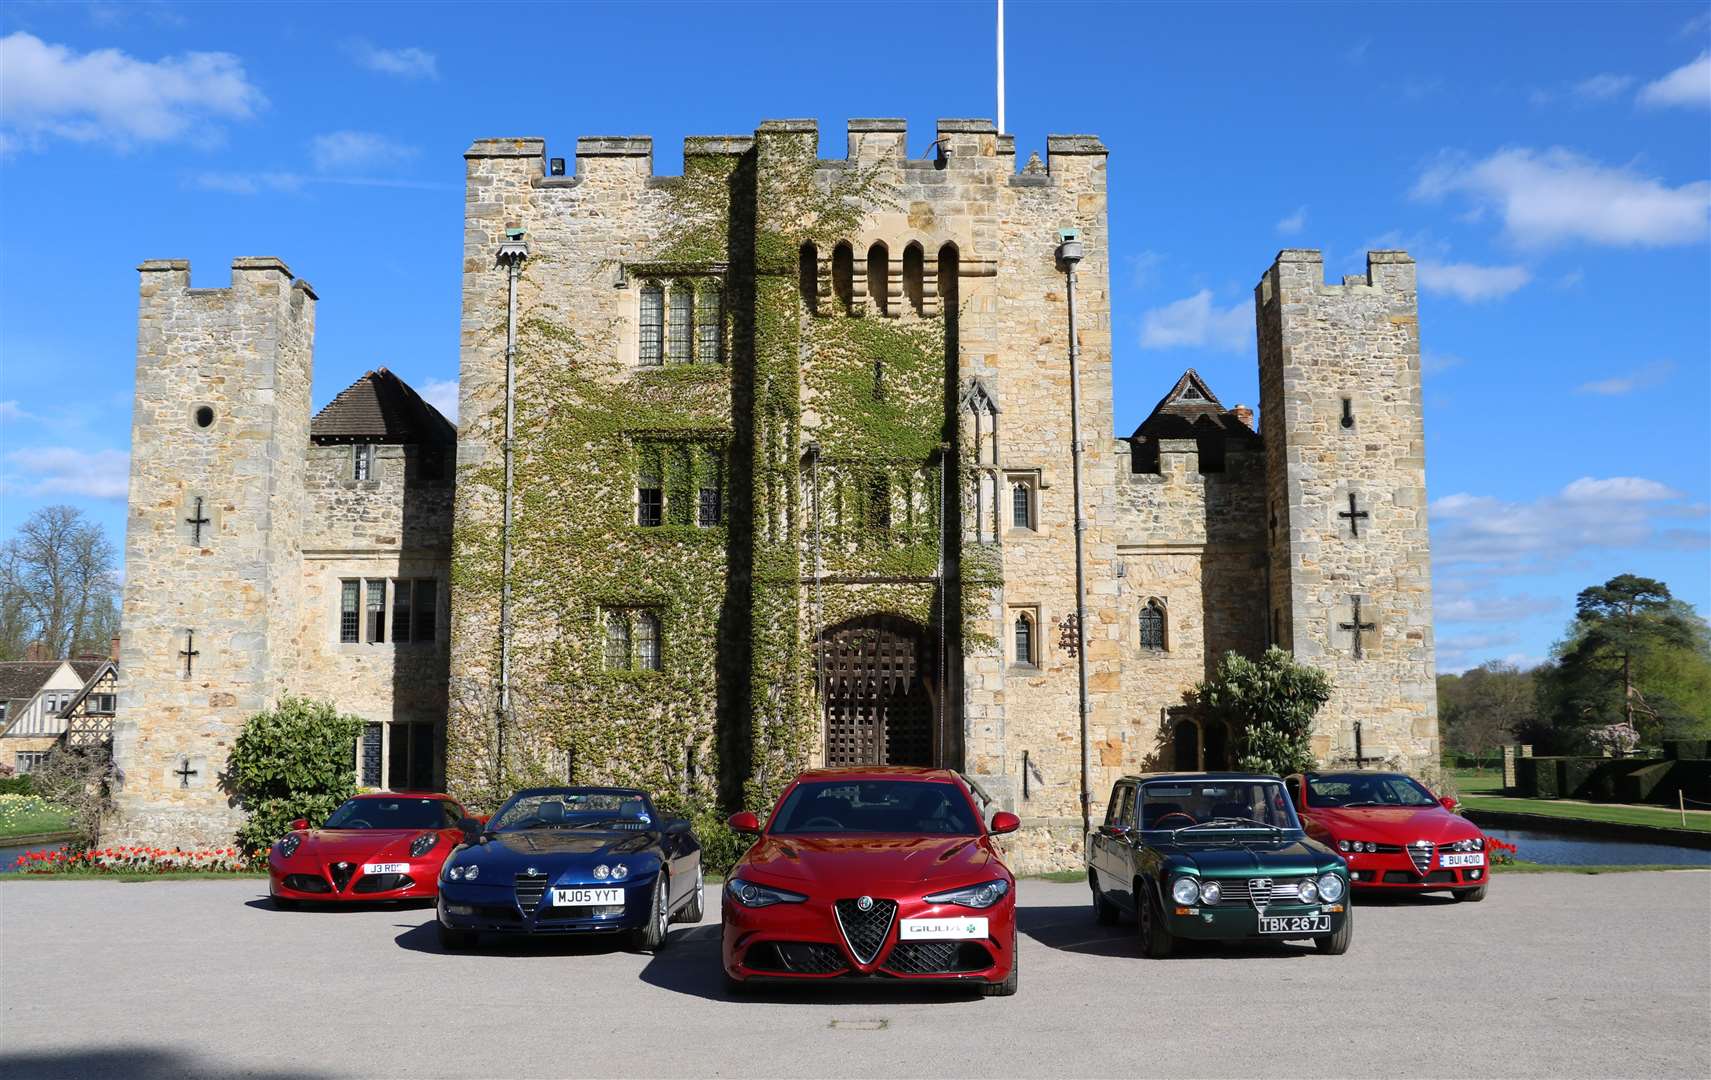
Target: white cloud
(337, 151)
(1688, 85)
(442, 395)
(11, 412)
(51, 91)
(1144, 267)
(1433, 362)
(1602, 87)
(255, 183)
(1481, 607)
(406, 63)
(1649, 375)
(1487, 535)
(1554, 196)
(1294, 223)
(1696, 25)
(1195, 321)
(57, 471)
(1470, 283)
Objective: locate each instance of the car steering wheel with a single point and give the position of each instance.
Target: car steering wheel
(358, 823)
(833, 822)
(1160, 823)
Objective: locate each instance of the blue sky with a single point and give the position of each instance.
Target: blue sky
(1550, 168)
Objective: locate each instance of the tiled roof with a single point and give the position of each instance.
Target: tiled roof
(381, 408)
(22, 678)
(1191, 411)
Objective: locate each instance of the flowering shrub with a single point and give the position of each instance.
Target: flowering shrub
(1499, 852)
(1619, 739)
(132, 860)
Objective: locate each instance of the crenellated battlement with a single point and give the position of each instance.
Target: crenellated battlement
(869, 140)
(253, 276)
(1301, 272)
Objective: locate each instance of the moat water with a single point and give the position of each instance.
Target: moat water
(1568, 849)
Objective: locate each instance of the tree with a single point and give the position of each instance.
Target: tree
(77, 780)
(1272, 702)
(1487, 706)
(294, 761)
(58, 586)
(1633, 655)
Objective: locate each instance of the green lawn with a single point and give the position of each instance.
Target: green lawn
(32, 824)
(1472, 781)
(1627, 815)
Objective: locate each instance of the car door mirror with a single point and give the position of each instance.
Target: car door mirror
(1448, 803)
(676, 825)
(472, 830)
(300, 823)
(1005, 822)
(744, 822)
(1118, 831)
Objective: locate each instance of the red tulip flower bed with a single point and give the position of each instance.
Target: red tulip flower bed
(1499, 852)
(133, 861)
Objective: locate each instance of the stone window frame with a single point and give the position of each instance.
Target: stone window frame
(1014, 617)
(419, 587)
(622, 630)
(1031, 479)
(25, 761)
(1159, 606)
(350, 611)
(680, 319)
(650, 325)
(363, 462)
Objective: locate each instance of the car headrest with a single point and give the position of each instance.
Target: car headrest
(550, 811)
(634, 808)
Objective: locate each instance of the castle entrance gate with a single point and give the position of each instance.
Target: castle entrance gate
(877, 680)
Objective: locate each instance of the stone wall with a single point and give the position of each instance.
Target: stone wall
(1341, 415)
(242, 353)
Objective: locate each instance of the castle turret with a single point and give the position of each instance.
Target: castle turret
(1349, 563)
(213, 540)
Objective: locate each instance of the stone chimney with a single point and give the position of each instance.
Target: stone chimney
(37, 651)
(1245, 415)
(114, 649)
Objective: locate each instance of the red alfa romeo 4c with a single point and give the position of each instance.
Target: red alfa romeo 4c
(872, 873)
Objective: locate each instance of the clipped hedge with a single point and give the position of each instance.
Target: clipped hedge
(1539, 777)
(1687, 749)
(17, 785)
(1642, 784)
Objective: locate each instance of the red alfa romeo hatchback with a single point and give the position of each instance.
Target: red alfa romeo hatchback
(876, 872)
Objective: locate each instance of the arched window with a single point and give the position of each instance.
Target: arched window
(914, 275)
(1152, 626)
(948, 257)
(677, 337)
(652, 325)
(879, 277)
(1024, 636)
(808, 276)
(843, 275)
(709, 348)
(647, 642)
(617, 642)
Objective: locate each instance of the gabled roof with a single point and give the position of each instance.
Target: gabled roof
(381, 408)
(24, 678)
(1191, 411)
(89, 681)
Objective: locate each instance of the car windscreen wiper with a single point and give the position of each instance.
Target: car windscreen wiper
(1366, 802)
(1227, 822)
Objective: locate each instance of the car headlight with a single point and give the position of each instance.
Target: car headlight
(423, 844)
(1210, 893)
(983, 895)
(620, 871)
(752, 895)
(1479, 843)
(1309, 892)
(454, 873)
(602, 872)
(1330, 888)
(471, 872)
(1186, 890)
(1343, 845)
(289, 843)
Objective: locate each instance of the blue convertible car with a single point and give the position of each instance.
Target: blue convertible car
(571, 860)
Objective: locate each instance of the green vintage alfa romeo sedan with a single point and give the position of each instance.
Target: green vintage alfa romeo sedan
(1215, 857)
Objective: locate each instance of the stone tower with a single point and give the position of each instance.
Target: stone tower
(1349, 563)
(213, 540)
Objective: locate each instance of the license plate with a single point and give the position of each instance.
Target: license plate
(1475, 859)
(386, 868)
(588, 897)
(1295, 924)
(942, 929)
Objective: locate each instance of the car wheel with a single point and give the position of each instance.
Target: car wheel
(457, 939)
(1007, 987)
(1338, 943)
(1471, 896)
(1156, 940)
(693, 910)
(652, 937)
(1105, 913)
(282, 904)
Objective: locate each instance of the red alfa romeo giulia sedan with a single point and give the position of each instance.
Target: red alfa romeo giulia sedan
(872, 873)
(383, 846)
(1394, 833)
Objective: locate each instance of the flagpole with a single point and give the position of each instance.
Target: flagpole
(1000, 67)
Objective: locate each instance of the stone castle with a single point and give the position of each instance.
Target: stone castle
(789, 483)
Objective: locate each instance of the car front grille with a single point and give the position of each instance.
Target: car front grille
(937, 957)
(530, 889)
(1420, 854)
(307, 883)
(796, 957)
(866, 931)
(342, 873)
(1239, 891)
(382, 883)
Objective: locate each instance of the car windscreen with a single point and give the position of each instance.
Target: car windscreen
(1367, 789)
(907, 807)
(573, 810)
(392, 814)
(1216, 805)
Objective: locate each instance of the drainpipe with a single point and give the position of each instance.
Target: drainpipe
(1069, 253)
(511, 256)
